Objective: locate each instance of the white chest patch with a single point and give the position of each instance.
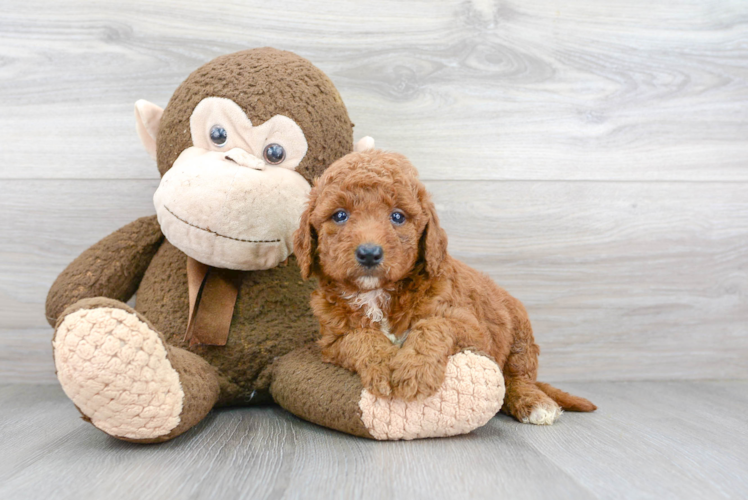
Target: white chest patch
(374, 303)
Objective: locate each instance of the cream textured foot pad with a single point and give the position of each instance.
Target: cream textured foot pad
(471, 395)
(114, 368)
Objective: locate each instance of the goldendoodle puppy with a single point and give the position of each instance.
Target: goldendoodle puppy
(393, 304)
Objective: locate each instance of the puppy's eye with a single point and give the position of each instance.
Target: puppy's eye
(218, 135)
(397, 218)
(274, 154)
(340, 217)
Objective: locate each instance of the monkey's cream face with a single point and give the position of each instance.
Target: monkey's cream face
(234, 199)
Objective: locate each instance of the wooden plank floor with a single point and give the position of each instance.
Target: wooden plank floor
(648, 440)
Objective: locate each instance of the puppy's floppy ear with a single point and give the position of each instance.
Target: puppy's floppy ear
(305, 240)
(434, 238)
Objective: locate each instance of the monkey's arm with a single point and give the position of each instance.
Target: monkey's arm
(111, 268)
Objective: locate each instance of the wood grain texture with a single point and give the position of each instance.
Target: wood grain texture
(622, 280)
(45, 225)
(678, 440)
(590, 156)
(516, 89)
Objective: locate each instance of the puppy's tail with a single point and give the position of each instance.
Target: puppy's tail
(565, 400)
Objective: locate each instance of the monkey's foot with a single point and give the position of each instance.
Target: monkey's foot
(329, 395)
(472, 393)
(116, 370)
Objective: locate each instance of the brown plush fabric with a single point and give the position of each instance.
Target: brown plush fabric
(271, 317)
(318, 392)
(201, 389)
(271, 314)
(111, 268)
(264, 82)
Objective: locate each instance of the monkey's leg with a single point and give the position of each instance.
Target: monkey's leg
(112, 267)
(122, 376)
(331, 396)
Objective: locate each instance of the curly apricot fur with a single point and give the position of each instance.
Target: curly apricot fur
(419, 293)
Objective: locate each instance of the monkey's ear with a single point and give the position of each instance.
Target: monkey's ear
(147, 120)
(305, 241)
(364, 144)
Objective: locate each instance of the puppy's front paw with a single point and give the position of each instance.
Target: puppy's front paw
(415, 376)
(377, 380)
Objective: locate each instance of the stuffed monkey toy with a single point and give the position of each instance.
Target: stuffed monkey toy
(222, 315)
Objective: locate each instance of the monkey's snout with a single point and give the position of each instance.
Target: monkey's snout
(244, 159)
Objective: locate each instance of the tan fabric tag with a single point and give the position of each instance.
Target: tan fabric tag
(213, 294)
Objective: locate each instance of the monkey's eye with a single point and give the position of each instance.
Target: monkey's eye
(274, 154)
(340, 217)
(397, 218)
(218, 135)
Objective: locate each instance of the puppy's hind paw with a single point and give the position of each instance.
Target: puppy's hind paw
(543, 414)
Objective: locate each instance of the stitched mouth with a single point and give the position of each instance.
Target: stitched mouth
(215, 233)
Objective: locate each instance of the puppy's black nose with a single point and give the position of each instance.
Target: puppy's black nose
(369, 255)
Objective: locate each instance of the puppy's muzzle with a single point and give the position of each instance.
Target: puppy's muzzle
(369, 256)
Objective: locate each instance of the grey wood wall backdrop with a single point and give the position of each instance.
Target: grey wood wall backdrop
(591, 156)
